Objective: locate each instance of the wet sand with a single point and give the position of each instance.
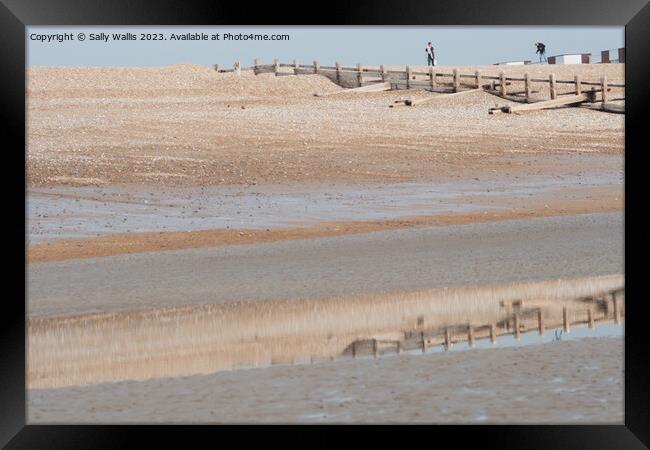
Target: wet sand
(564, 382)
(383, 261)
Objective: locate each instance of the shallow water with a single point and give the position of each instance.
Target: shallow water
(69, 212)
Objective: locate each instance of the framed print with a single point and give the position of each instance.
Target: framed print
(369, 217)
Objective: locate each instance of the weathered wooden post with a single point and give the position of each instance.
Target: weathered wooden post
(256, 63)
(295, 67)
(399, 347)
(617, 310)
(316, 66)
(447, 339)
(540, 322)
(470, 335)
(551, 85)
(432, 77)
(477, 79)
(384, 75)
(517, 326)
(576, 80)
(502, 86)
(590, 317)
(493, 333)
(216, 67)
(375, 348)
(424, 342)
(565, 320)
(359, 75)
(527, 86)
(276, 66)
(408, 77)
(237, 68)
(338, 73)
(354, 349)
(456, 80)
(603, 82)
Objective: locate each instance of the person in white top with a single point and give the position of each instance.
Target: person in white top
(431, 55)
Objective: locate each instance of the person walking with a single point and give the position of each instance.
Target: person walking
(431, 55)
(541, 49)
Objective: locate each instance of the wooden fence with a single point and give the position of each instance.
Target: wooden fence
(357, 77)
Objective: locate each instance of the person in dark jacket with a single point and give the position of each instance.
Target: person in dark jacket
(431, 55)
(541, 49)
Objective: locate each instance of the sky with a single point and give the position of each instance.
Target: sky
(372, 45)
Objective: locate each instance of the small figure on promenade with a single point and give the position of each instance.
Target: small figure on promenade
(541, 49)
(431, 55)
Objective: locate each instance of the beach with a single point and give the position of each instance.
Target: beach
(204, 247)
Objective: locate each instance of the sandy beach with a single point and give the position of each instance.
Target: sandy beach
(166, 205)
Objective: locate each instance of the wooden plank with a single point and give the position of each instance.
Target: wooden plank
(423, 342)
(517, 325)
(493, 333)
(429, 99)
(375, 87)
(551, 81)
(617, 310)
(569, 100)
(502, 85)
(566, 326)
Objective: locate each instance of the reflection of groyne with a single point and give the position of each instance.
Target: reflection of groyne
(201, 339)
(587, 310)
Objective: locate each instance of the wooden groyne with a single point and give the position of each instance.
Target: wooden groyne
(607, 307)
(370, 79)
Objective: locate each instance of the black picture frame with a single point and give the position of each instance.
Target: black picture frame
(15, 15)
